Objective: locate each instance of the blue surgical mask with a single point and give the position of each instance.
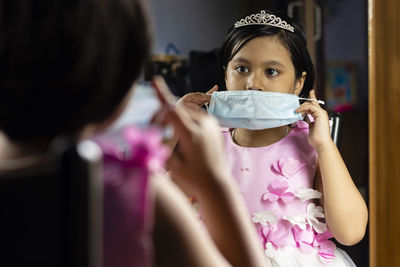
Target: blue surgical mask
(254, 110)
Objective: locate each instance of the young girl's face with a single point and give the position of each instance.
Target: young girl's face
(263, 64)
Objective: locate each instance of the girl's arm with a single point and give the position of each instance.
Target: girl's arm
(198, 166)
(345, 209)
(178, 239)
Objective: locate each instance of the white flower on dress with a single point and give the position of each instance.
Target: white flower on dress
(305, 194)
(270, 250)
(313, 213)
(310, 218)
(299, 220)
(264, 217)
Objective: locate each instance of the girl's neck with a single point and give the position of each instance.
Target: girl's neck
(259, 138)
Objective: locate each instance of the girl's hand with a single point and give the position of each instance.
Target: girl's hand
(319, 129)
(196, 100)
(197, 164)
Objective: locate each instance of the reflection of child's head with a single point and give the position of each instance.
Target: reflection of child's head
(294, 42)
(66, 64)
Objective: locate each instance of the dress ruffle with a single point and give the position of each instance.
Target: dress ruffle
(293, 257)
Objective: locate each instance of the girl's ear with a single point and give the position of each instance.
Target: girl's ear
(300, 83)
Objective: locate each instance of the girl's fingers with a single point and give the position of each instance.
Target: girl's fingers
(182, 123)
(209, 93)
(194, 100)
(169, 113)
(163, 93)
(165, 97)
(308, 107)
(198, 98)
(312, 95)
(215, 88)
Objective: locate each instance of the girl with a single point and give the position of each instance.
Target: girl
(297, 188)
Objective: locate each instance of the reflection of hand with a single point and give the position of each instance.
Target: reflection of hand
(319, 129)
(196, 100)
(198, 162)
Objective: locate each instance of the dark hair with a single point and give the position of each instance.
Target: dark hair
(65, 64)
(295, 42)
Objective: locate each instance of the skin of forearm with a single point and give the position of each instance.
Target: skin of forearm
(345, 209)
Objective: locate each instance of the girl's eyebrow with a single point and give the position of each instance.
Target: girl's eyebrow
(274, 63)
(268, 63)
(240, 60)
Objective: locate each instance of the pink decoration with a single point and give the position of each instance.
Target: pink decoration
(275, 234)
(130, 156)
(305, 239)
(302, 125)
(288, 167)
(327, 251)
(139, 148)
(327, 247)
(277, 190)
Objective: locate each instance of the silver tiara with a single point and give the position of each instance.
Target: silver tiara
(264, 18)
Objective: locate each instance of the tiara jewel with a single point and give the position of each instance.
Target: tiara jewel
(264, 18)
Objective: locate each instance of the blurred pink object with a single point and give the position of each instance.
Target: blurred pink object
(343, 108)
(130, 157)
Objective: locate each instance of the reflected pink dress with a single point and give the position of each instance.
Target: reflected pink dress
(130, 157)
(277, 183)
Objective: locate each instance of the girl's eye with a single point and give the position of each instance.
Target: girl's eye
(242, 69)
(272, 72)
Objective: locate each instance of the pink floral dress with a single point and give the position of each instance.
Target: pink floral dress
(130, 157)
(277, 184)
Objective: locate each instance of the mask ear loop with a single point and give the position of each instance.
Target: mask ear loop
(310, 99)
(206, 105)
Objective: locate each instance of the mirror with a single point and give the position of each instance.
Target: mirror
(191, 31)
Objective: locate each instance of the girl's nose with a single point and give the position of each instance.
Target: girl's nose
(254, 82)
